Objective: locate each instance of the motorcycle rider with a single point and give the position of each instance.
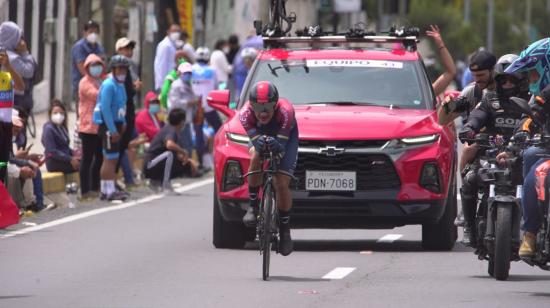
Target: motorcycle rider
(493, 115)
(535, 61)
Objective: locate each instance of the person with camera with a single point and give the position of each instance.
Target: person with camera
(535, 61)
(496, 116)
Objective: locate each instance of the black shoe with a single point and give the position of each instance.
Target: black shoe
(469, 237)
(117, 196)
(249, 219)
(285, 241)
(36, 207)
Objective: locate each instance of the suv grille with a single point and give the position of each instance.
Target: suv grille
(344, 143)
(374, 171)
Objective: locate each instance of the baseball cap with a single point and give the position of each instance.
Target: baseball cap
(482, 60)
(124, 42)
(185, 68)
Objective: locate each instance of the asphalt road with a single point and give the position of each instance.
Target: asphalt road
(157, 252)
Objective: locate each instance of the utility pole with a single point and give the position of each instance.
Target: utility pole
(490, 24)
(467, 10)
(528, 14)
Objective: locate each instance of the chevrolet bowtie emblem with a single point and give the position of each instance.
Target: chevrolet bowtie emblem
(331, 151)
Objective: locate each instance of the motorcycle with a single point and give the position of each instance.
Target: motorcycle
(499, 212)
(542, 243)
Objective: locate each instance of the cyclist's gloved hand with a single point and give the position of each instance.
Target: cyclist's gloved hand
(466, 134)
(261, 143)
(521, 137)
(274, 145)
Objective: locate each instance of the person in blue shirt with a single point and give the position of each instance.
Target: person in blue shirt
(110, 115)
(81, 50)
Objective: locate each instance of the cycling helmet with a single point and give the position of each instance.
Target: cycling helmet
(202, 54)
(263, 96)
(535, 57)
(249, 53)
(119, 61)
(520, 80)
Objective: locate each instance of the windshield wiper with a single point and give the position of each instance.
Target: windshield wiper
(286, 67)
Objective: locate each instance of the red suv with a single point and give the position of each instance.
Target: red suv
(371, 153)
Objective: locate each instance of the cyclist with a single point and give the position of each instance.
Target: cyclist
(110, 114)
(535, 61)
(270, 123)
(493, 114)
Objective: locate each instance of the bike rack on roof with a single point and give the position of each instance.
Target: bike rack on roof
(409, 42)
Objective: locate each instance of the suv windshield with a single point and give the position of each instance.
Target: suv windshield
(398, 84)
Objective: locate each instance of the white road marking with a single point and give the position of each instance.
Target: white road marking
(389, 238)
(339, 273)
(103, 210)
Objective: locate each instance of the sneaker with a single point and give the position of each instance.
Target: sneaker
(249, 219)
(468, 238)
(285, 242)
(169, 191)
(117, 196)
(527, 248)
(36, 207)
(459, 220)
(119, 189)
(85, 197)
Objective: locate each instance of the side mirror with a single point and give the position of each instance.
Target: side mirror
(219, 100)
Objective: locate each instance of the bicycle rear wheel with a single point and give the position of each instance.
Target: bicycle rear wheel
(268, 205)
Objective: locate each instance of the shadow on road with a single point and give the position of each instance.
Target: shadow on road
(513, 277)
(296, 279)
(14, 296)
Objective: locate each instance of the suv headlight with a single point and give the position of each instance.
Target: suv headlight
(240, 139)
(420, 139)
(412, 141)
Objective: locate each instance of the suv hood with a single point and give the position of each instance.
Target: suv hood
(332, 122)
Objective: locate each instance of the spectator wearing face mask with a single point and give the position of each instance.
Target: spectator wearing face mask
(181, 57)
(92, 156)
(218, 61)
(55, 138)
(82, 49)
(147, 120)
(164, 55)
(183, 97)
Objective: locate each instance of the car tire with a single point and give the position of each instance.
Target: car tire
(228, 234)
(442, 235)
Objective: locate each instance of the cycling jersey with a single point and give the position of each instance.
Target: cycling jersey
(282, 125)
(111, 103)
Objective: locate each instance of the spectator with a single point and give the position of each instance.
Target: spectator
(110, 115)
(241, 65)
(147, 120)
(55, 138)
(21, 60)
(159, 160)
(10, 80)
(234, 47)
(246, 59)
(92, 157)
(164, 55)
(182, 96)
(204, 81)
(218, 61)
(81, 50)
(443, 81)
(183, 44)
(132, 84)
(181, 57)
(25, 183)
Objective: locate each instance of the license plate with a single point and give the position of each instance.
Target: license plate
(331, 180)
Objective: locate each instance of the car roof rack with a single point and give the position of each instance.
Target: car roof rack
(314, 36)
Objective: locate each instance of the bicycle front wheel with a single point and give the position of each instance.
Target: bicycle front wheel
(268, 204)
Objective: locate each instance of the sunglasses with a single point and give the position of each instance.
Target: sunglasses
(265, 107)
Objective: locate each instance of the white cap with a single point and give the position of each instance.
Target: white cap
(185, 68)
(124, 42)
